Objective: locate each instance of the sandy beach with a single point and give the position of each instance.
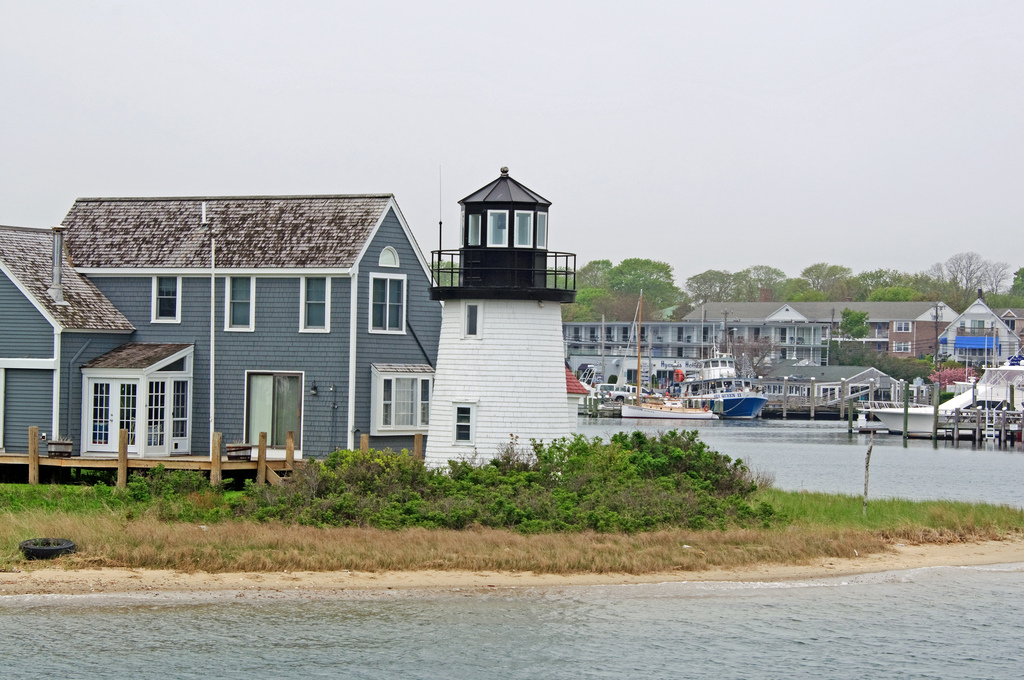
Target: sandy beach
(47, 580)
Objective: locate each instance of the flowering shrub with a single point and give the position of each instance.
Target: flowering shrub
(947, 376)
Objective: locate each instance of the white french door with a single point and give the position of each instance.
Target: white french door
(113, 406)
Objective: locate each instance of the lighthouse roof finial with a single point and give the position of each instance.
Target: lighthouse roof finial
(504, 171)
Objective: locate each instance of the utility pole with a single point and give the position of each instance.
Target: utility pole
(936, 350)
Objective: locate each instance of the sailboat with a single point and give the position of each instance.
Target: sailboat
(666, 409)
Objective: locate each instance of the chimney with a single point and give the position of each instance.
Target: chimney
(765, 294)
(980, 296)
(56, 289)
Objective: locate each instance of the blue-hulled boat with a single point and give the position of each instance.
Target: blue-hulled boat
(725, 393)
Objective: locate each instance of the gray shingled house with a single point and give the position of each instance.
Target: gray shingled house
(322, 325)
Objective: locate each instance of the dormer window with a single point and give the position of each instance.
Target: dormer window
(473, 230)
(542, 230)
(497, 228)
(524, 229)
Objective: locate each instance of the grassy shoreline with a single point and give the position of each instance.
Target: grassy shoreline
(821, 526)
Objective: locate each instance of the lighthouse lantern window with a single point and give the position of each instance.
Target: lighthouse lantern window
(524, 229)
(497, 228)
(473, 231)
(542, 230)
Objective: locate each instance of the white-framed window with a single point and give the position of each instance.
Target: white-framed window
(497, 228)
(471, 319)
(464, 423)
(240, 293)
(315, 305)
(400, 399)
(902, 326)
(901, 347)
(387, 303)
(473, 230)
(524, 229)
(166, 299)
(542, 230)
(388, 257)
(273, 404)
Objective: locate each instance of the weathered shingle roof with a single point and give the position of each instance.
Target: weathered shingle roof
(251, 231)
(28, 254)
(136, 355)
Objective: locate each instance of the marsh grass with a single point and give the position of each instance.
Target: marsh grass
(106, 540)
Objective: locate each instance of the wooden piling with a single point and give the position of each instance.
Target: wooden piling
(216, 476)
(785, 396)
(261, 461)
(849, 414)
(906, 410)
(33, 455)
(417, 446)
(843, 396)
(812, 399)
(936, 388)
(956, 427)
(122, 459)
(867, 465)
(289, 450)
(364, 442)
(1002, 428)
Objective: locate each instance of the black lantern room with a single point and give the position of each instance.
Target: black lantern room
(503, 251)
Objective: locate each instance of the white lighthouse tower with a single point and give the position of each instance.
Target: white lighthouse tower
(500, 364)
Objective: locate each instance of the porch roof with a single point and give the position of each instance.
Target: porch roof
(136, 355)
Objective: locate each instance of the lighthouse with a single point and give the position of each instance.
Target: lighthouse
(500, 366)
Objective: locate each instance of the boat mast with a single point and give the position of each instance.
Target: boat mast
(639, 342)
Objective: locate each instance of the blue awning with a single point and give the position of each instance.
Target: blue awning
(973, 342)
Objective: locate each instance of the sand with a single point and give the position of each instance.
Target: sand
(47, 580)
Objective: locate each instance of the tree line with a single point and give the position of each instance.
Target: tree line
(612, 290)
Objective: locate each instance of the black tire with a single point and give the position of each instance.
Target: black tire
(46, 548)
(620, 399)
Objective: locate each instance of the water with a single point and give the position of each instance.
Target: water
(821, 456)
(927, 623)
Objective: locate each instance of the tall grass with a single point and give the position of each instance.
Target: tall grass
(112, 541)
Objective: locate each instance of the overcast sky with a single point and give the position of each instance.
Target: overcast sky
(708, 135)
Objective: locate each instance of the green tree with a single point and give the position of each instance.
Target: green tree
(1018, 283)
(824, 277)
(894, 294)
(854, 324)
(654, 278)
(748, 283)
(593, 274)
(713, 285)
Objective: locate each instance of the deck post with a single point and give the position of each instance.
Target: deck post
(33, 455)
(417, 446)
(261, 461)
(364, 442)
(289, 450)
(122, 459)
(956, 427)
(812, 399)
(936, 388)
(849, 414)
(1002, 428)
(216, 476)
(785, 396)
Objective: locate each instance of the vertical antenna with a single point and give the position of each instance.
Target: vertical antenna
(440, 207)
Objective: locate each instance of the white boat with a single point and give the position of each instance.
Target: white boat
(991, 393)
(672, 410)
(719, 385)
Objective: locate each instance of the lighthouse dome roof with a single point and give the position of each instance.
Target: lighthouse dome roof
(506, 190)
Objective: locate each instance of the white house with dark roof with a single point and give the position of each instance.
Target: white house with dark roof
(980, 336)
(313, 310)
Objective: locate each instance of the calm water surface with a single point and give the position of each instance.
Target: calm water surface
(930, 623)
(821, 456)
